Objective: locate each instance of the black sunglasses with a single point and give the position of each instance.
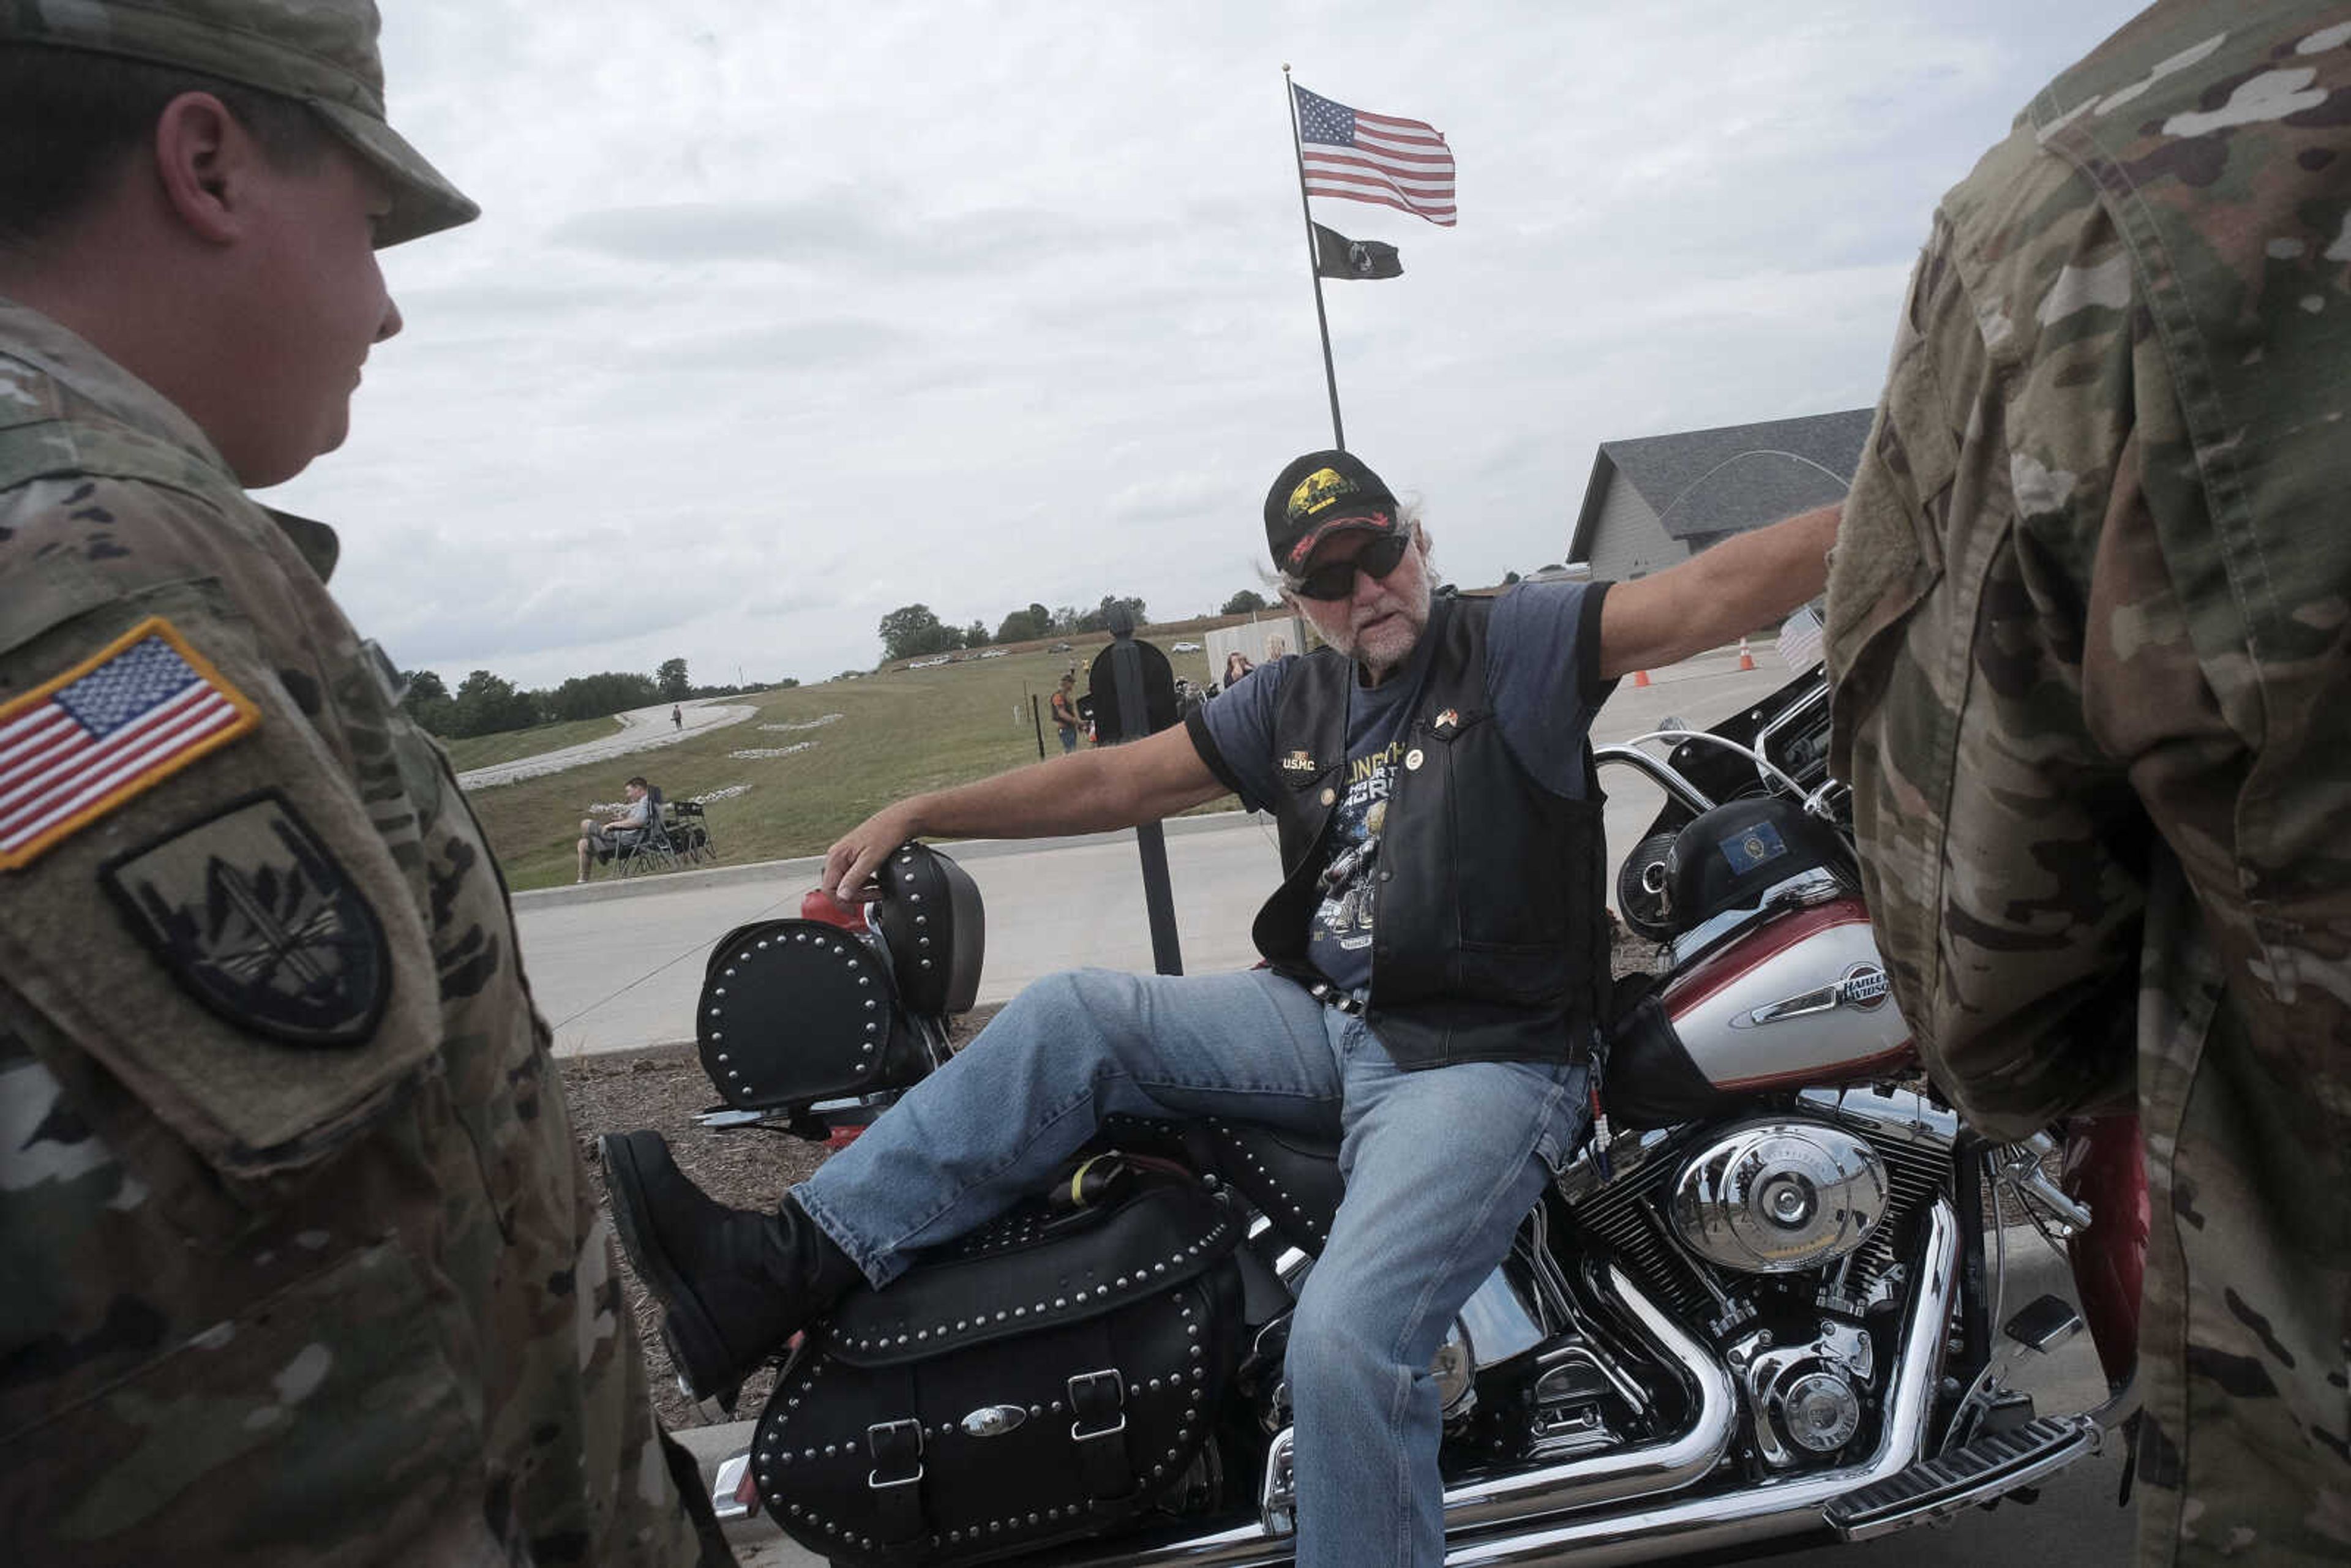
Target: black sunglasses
(1336, 579)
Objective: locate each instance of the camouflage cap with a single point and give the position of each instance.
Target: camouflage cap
(317, 52)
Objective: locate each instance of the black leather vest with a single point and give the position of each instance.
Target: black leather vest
(1490, 939)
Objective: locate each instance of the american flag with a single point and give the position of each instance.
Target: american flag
(1375, 158)
(105, 731)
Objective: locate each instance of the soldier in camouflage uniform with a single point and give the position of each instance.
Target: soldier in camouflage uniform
(2087, 620)
(300, 1262)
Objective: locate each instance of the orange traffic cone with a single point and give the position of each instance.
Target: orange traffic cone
(1746, 659)
(1640, 677)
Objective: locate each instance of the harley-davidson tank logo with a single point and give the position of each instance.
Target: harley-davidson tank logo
(1864, 986)
(257, 920)
(1299, 762)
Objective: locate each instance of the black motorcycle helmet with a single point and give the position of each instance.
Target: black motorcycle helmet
(1729, 857)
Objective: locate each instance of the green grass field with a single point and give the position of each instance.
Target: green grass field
(506, 745)
(898, 733)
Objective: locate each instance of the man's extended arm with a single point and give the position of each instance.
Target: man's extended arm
(1086, 792)
(1719, 594)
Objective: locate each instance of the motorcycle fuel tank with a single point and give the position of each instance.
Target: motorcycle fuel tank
(1801, 999)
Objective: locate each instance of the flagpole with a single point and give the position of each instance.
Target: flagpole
(1313, 270)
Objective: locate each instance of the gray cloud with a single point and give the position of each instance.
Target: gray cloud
(833, 307)
(829, 228)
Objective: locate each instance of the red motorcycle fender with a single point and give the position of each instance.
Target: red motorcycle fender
(2104, 1168)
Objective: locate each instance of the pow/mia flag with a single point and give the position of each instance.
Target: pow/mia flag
(1336, 256)
(257, 920)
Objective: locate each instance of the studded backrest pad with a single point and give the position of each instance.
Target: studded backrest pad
(931, 916)
(1032, 1270)
(794, 1011)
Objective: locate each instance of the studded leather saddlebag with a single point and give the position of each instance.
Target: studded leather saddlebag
(1044, 1378)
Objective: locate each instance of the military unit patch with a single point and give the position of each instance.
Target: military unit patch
(258, 921)
(1299, 762)
(111, 728)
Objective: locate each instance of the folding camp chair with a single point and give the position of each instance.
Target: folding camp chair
(690, 833)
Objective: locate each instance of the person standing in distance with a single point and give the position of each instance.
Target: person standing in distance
(2088, 628)
(1065, 714)
(302, 1264)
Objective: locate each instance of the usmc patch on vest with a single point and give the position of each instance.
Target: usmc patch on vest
(257, 920)
(1299, 762)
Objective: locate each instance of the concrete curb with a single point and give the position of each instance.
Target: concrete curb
(807, 866)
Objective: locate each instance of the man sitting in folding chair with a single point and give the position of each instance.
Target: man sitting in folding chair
(634, 829)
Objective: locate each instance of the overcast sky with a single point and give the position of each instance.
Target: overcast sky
(781, 316)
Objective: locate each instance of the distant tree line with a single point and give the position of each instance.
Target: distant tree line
(487, 703)
(910, 631)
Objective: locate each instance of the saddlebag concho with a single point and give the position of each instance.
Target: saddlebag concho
(1044, 1378)
(795, 1011)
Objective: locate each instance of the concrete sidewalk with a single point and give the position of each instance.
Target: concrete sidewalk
(616, 965)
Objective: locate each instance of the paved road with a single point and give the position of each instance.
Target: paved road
(616, 965)
(641, 729)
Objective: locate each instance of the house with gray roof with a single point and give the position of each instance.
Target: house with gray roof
(1660, 499)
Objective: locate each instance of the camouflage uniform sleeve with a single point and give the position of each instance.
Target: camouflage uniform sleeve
(299, 1267)
(2087, 622)
(2001, 850)
(184, 1315)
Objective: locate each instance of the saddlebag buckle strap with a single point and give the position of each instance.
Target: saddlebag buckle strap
(1097, 1400)
(895, 1480)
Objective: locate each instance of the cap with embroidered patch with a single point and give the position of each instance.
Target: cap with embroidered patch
(1322, 494)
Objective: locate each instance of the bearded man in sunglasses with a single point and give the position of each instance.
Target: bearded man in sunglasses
(1427, 997)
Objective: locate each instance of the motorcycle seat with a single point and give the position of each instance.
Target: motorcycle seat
(1292, 1178)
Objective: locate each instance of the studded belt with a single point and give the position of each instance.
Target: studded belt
(1332, 996)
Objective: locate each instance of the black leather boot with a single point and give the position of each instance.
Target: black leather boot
(737, 1283)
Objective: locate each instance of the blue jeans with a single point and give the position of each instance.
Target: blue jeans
(1440, 1165)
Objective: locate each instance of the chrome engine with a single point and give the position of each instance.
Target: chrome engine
(1782, 1238)
(1777, 1196)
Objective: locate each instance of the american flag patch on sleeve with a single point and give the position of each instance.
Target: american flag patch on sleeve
(106, 731)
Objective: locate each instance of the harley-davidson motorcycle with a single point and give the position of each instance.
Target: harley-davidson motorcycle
(1765, 1300)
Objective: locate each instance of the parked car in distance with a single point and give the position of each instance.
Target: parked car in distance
(1186, 648)
(1058, 648)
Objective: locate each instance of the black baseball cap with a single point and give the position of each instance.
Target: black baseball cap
(1322, 494)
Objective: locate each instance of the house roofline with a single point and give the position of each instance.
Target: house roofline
(1579, 544)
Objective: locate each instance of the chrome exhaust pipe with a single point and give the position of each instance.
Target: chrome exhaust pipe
(1774, 1508)
(1498, 1501)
